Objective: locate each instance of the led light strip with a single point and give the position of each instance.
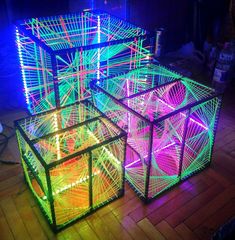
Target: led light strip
(183, 114)
(128, 114)
(22, 66)
(158, 150)
(81, 180)
(98, 50)
(57, 136)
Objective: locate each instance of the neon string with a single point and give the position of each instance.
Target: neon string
(158, 150)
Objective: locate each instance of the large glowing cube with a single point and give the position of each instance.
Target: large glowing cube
(170, 121)
(73, 161)
(60, 55)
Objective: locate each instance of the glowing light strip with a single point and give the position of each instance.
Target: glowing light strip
(128, 114)
(22, 66)
(81, 180)
(158, 150)
(98, 50)
(57, 136)
(183, 114)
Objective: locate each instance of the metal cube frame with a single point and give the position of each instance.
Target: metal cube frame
(60, 55)
(73, 161)
(170, 121)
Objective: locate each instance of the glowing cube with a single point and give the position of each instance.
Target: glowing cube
(170, 121)
(73, 161)
(60, 55)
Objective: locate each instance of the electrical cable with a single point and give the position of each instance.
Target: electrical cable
(4, 140)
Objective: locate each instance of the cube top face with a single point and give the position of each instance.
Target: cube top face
(62, 134)
(155, 92)
(78, 30)
(138, 80)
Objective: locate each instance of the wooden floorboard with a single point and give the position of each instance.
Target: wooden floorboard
(210, 208)
(185, 233)
(162, 213)
(5, 229)
(192, 210)
(133, 229)
(206, 229)
(85, 231)
(14, 220)
(167, 231)
(186, 210)
(150, 230)
(116, 227)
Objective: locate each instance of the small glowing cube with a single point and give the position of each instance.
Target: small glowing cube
(73, 161)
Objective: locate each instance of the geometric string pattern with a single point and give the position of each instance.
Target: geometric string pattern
(60, 55)
(79, 29)
(147, 120)
(73, 160)
(75, 71)
(170, 122)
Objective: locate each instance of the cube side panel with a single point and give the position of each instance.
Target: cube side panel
(37, 192)
(200, 136)
(138, 134)
(107, 172)
(136, 170)
(70, 189)
(166, 153)
(35, 176)
(28, 155)
(37, 75)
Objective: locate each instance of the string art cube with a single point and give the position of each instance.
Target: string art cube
(170, 121)
(73, 161)
(60, 55)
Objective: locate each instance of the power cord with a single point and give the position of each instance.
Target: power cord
(4, 140)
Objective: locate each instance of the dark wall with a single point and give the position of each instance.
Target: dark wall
(10, 85)
(174, 16)
(20, 9)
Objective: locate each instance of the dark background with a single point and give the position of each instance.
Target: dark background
(177, 17)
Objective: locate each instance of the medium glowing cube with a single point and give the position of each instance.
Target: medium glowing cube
(170, 121)
(60, 55)
(73, 161)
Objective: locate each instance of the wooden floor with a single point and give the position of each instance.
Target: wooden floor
(192, 210)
